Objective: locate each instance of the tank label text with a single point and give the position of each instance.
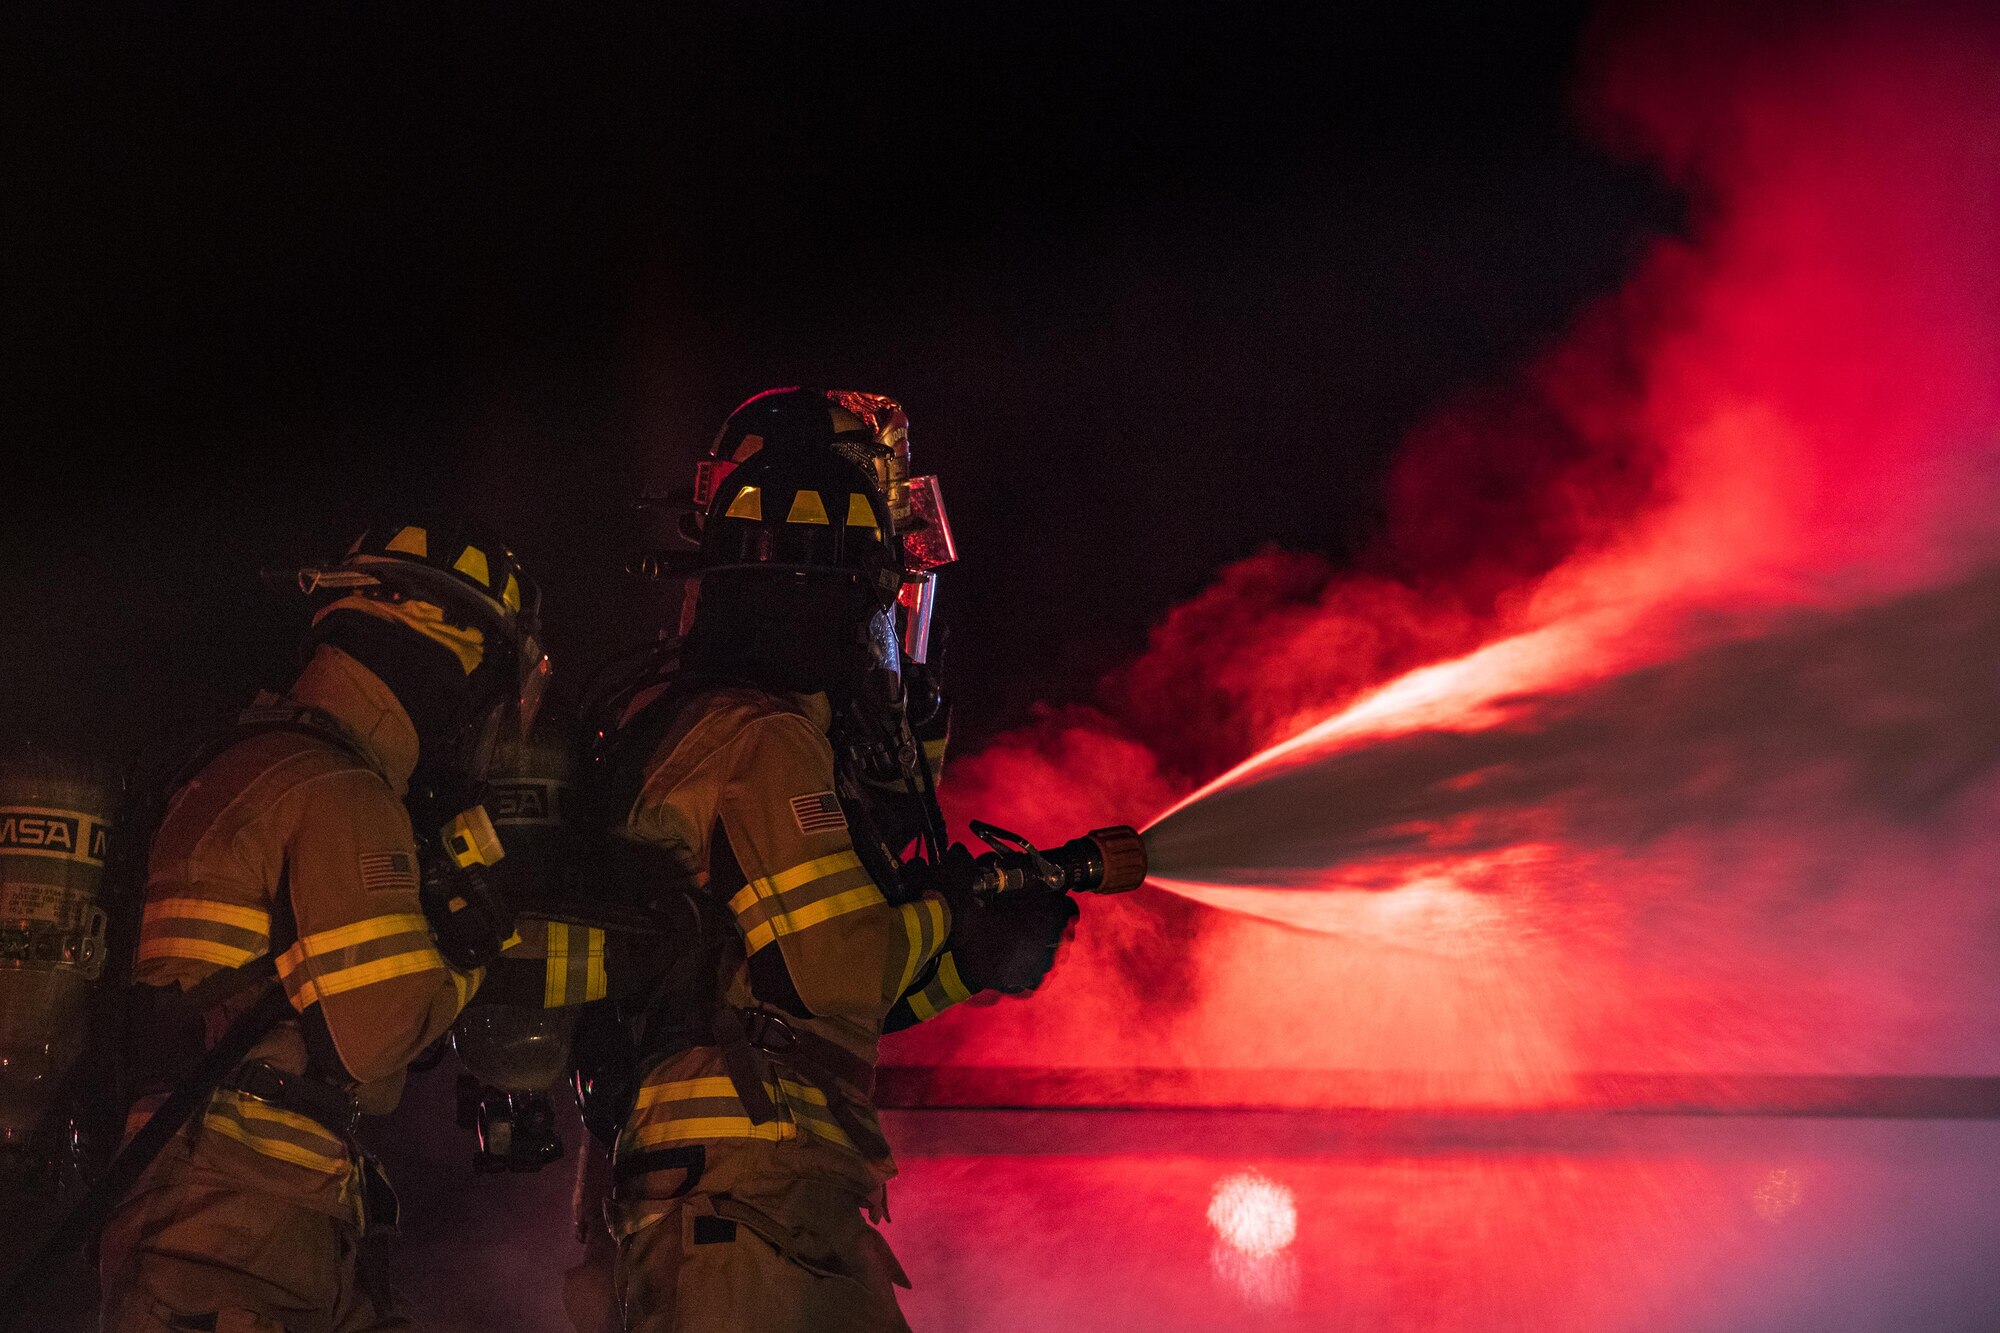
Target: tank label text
(73, 835)
(524, 801)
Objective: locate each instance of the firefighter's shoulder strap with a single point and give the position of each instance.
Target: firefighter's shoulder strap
(670, 1007)
(616, 769)
(274, 712)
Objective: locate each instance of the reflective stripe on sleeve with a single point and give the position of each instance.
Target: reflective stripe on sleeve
(224, 934)
(924, 926)
(802, 897)
(364, 953)
(276, 1133)
(946, 989)
(573, 972)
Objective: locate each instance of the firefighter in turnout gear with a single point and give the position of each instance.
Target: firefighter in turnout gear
(749, 1159)
(288, 851)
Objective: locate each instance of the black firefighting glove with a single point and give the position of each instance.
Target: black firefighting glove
(1000, 941)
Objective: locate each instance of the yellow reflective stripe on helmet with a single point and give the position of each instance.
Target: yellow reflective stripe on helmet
(860, 514)
(411, 541)
(472, 563)
(510, 596)
(749, 503)
(807, 507)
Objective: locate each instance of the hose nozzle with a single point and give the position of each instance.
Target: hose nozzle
(1106, 860)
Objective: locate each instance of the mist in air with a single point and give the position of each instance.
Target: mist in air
(1657, 732)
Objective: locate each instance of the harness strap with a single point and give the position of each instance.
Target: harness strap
(744, 1065)
(332, 1108)
(836, 1071)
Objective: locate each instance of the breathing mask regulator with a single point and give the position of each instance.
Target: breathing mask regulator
(443, 614)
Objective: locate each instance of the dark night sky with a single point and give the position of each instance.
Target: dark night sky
(1157, 285)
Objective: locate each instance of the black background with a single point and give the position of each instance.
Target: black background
(1157, 285)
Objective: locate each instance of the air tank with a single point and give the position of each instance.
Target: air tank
(55, 817)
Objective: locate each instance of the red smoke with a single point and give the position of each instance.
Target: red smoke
(1796, 406)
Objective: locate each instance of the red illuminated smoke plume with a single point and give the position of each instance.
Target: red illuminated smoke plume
(1796, 406)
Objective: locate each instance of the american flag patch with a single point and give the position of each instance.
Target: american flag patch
(818, 813)
(383, 872)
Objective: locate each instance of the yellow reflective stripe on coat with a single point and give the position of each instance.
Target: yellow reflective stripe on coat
(276, 1132)
(682, 1090)
(700, 1108)
(803, 896)
(946, 989)
(225, 934)
(573, 967)
(713, 1127)
(924, 926)
(808, 1107)
(363, 953)
(692, 1109)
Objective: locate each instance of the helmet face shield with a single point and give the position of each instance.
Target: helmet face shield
(927, 539)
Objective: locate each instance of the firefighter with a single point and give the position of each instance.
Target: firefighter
(749, 1160)
(290, 847)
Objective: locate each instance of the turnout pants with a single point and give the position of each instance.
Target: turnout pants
(204, 1255)
(771, 1256)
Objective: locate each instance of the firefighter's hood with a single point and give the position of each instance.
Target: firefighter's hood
(359, 701)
